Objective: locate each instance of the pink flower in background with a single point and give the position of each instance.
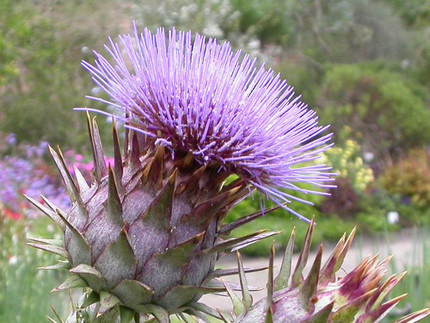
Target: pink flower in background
(86, 168)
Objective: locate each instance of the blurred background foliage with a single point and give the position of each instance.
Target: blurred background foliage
(364, 65)
(41, 46)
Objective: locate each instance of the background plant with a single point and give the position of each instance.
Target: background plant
(374, 103)
(25, 295)
(24, 170)
(417, 282)
(346, 160)
(27, 169)
(39, 55)
(409, 178)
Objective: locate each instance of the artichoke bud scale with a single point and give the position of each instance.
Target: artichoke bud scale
(147, 230)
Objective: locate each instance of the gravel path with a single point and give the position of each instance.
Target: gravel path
(406, 247)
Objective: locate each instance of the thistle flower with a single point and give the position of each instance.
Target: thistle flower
(323, 296)
(199, 97)
(145, 235)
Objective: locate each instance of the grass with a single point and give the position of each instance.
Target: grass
(417, 282)
(25, 291)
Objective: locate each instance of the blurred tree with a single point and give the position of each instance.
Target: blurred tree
(415, 13)
(42, 44)
(327, 30)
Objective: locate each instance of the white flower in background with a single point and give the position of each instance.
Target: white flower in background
(393, 217)
(13, 260)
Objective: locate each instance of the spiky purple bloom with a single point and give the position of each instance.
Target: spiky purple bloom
(192, 94)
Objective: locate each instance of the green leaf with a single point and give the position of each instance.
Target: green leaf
(78, 245)
(246, 296)
(133, 292)
(82, 183)
(49, 248)
(109, 316)
(270, 277)
(114, 202)
(90, 298)
(219, 284)
(50, 213)
(304, 254)
(281, 281)
(91, 275)
(126, 314)
(118, 168)
(235, 271)
(160, 313)
(73, 281)
(97, 148)
(52, 242)
(204, 309)
(108, 300)
(117, 261)
(238, 243)
(238, 306)
(60, 320)
(60, 265)
(309, 287)
(153, 173)
(71, 189)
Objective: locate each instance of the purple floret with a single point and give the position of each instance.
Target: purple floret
(197, 96)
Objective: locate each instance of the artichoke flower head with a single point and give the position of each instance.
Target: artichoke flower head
(145, 234)
(324, 294)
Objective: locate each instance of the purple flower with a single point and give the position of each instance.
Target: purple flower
(194, 95)
(11, 139)
(28, 174)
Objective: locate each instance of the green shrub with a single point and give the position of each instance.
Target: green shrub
(41, 46)
(372, 222)
(333, 227)
(415, 13)
(377, 203)
(386, 114)
(409, 178)
(353, 178)
(346, 160)
(329, 227)
(273, 223)
(343, 200)
(278, 220)
(269, 21)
